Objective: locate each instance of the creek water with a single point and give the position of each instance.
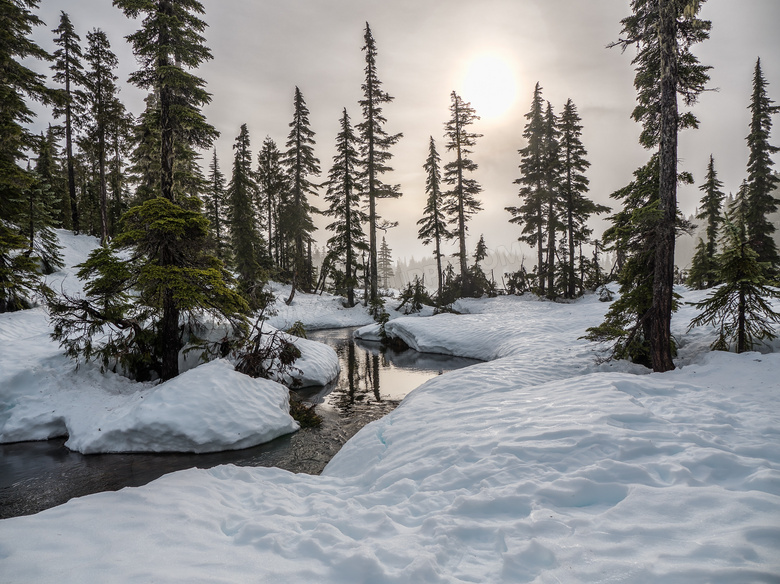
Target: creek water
(38, 475)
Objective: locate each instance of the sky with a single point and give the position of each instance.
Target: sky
(427, 49)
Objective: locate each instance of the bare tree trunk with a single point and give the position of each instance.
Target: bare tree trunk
(660, 333)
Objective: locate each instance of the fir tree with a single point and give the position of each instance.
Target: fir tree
(301, 164)
(532, 183)
(481, 251)
(119, 138)
(18, 272)
(433, 225)
(100, 95)
(344, 195)
(385, 262)
(245, 240)
(42, 202)
(461, 199)
(761, 181)
(704, 268)
(553, 202)
(574, 186)
(663, 32)
(375, 150)
(273, 185)
(740, 308)
(216, 205)
(68, 71)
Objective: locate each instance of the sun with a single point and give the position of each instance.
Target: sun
(490, 86)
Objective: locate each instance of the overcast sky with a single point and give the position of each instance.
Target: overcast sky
(263, 49)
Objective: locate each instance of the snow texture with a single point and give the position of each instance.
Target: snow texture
(537, 466)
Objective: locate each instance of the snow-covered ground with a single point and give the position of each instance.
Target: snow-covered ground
(536, 466)
(208, 408)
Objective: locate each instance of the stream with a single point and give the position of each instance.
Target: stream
(38, 475)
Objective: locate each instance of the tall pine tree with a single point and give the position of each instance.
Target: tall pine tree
(433, 225)
(272, 182)
(704, 272)
(461, 200)
(553, 203)
(215, 201)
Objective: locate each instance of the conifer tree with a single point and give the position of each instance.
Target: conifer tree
(18, 272)
(532, 183)
(272, 181)
(481, 251)
(461, 199)
(553, 202)
(246, 243)
(119, 138)
(704, 267)
(741, 307)
(375, 151)
(761, 181)
(42, 202)
(344, 194)
(216, 205)
(385, 262)
(433, 225)
(68, 71)
(574, 186)
(100, 95)
(663, 32)
(301, 164)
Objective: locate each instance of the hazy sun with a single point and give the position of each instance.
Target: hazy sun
(490, 86)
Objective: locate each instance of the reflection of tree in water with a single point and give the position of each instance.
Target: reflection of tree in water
(360, 369)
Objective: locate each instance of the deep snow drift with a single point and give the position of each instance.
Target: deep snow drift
(538, 466)
(206, 409)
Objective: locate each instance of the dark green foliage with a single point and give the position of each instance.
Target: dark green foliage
(375, 152)
(272, 181)
(269, 355)
(433, 225)
(761, 181)
(414, 297)
(37, 218)
(385, 263)
(345, 193)
(19, 279)
(461, 200)
(124, 319)
(296, 221)
(304, 415)
(297, 330)
(740, 308)
(704, 268)
(215, 200)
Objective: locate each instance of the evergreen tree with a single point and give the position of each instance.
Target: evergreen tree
(301, 164)
(246, 242)
(574, 186)
(663, 32)
(344, 195)
(532, 183)
(433, 225)
(42, 202)
(18, 272)
(216, 205)
(481, 251)
(375, 150)
(119, 139)
(553, 202)
(68, 71)
(273, 185)
(385, 262)
(100, 95)
(761, 180)
(704, 267)
(168, 45)
(461, 199)
(740, 308)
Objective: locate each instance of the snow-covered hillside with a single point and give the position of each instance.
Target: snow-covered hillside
(537, 466)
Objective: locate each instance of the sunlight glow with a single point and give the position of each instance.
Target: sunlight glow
(490, 85)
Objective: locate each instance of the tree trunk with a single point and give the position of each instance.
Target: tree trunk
(169, 337)
(741, 322)
(551, 250)
(166, 124)
(663, 277)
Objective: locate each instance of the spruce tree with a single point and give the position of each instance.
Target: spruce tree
(761, 181)
(574, 186)
(663, 32)
(532, 183)
(740, 308)
(461, 200)
(272, 181)
(704, 267)
(553, 202)
(68, 71)
(301, 164)
(216, 206)
(433, 225)
(246, 243)
(375, 151)
(385, 262)
(345, 193)
(100, 92)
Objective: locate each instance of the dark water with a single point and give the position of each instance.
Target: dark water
(37, 475)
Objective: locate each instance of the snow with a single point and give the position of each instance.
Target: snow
(207, 408)
(538, 465)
